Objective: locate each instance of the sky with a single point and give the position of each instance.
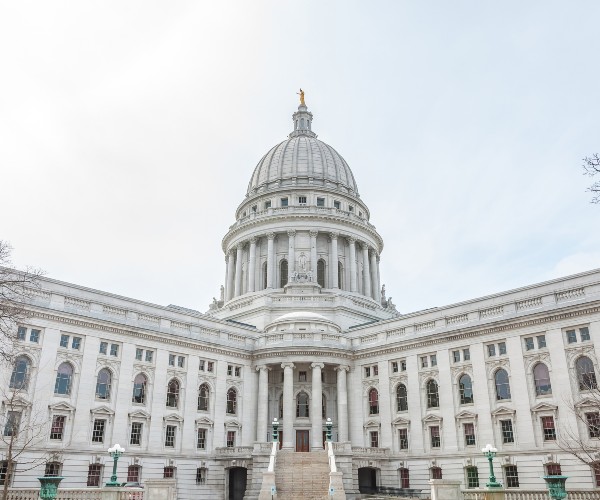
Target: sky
(129, 132)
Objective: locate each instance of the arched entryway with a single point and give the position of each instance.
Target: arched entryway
(237, 483)
(367, 480)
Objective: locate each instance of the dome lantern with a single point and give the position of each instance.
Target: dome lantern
(302, 122)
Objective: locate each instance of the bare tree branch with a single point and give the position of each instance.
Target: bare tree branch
(591, 167)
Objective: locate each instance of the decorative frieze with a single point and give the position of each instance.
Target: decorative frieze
(398, 332)
(573, 294)
(529, 304)
(369, 338)
(210, 332)
(236, 338)
(275, 338)
(457, 320)
(492, 312)
(147, 318)
(239, 305)
(424, 327)
(180, 326)
(331, 338)
(73, 303)
(39, 294)
(114, 311)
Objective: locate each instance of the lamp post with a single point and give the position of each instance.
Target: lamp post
(115, 452)
(490, 452)
(328, 425)
(275, 429)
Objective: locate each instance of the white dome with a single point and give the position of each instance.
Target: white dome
(302, 160)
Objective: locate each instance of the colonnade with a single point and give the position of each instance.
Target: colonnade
(234, 286)
(289, 413)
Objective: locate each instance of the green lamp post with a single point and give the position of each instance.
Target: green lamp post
(328, 425)
(49, 486)
(275, 430)
(556, 486)
(490, 452)
(115, 452)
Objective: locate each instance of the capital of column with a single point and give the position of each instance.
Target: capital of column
(340, 368)
(288, 365)
(351, 241)
(333, 235)
(271, 236)
(253, 240)
(317, 365)
(291, 233)
(364, 245)
(262, 368)
(239, 246)
(378, 258)
(313, 233)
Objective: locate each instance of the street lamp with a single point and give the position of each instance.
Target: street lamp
(275, 428)
(328, 424)
(115, 452)
(490, 452)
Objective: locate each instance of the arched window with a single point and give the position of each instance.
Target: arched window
(502, 384)
(264, 270)
(139, 389)
(19, 378)
(321, 273)
(231, 401)
(586, 374)
(433, 398)
(401, 398)
(173, 394)
(283, 273)
(281, 406)
(340, 276)
(541, 378)
(103, 383)
(465, 388)
(323, 406)
(203, 395)
(302, 405)
(64, 378)
(404, 477)
(373, 402)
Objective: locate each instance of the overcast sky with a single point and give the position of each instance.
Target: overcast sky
(129, 131)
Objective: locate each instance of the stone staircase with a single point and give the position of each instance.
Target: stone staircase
(302, 476)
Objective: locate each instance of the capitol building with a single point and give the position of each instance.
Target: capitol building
(303, 332)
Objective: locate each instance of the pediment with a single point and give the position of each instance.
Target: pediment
(503, 411)
(432, 418)
(204, 421)
(16, 402)
(139, 414)
(466, 414)
(173, 417)
(102, 410)
(62, 406)
(587, 403)
(371, 423)
(544, 407)
(233, 423)
(401, 421)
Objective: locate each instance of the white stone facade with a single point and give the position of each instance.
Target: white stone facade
(302, 344)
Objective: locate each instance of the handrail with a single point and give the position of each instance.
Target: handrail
(331, 457)
(274, 448)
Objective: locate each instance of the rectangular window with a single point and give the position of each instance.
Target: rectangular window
(52, 469)
(469, 434)
(21, 332)
(13, 422)
(337, 205)
(210, 366)
(58, 427)
(456, 356)
(404, 478)
(512, 476)
(170, 436)
(529, 344)
(593, 423)
(553, 470)
(94, 474)
(64, 341)
(301, 376)
(284, 202)
(375, 370)
(350, 208)
(501, 348)
(230, 439)
(434, 433)
(374, 438)
(229, 370)
(436, 473)
(114, 349)
(466, 354)
(424, 363)
(541, 341)
(491, 350)
(433, 359)
(168, 472)
(34, 336)
(149, 356)
(98, 430)
(367, 371)
(238, 371)
(584, 333)
(171, 359)
(302, 200)
(394, 367)
(201, 442)
(201, 475)
(472, 477)
(202, 365)
(403, 365)
(76, 344)
(403, 433)
(267, 204)
(548, 429)
(136, 433)
(139, 354)
(180, 361)
(133, 474)
(320, 202)
(4, 474)
(571, 336)
(103, 347)
(507, 431)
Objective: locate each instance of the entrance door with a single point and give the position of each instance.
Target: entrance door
(302, 443)
(280, 439)
(237, 483)
(367, 480)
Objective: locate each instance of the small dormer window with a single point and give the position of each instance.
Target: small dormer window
(337, 205)
(302, 200)
(267, 204)
(284, 202)
(320, 202)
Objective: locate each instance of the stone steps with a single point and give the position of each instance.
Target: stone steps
(302, 476)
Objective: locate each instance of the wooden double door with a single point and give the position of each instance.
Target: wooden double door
(303, 441)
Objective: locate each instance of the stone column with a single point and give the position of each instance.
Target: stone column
(316, 414)
(288, 406)
(262, 414)
(342, 403)
(291, 251)
(366, 271)
(238, 270)
(270, 259)
(313, 253)
(333, 261)
(230, 268)
(353, 280)
(374, 283)
(378, 276)
(252, 266)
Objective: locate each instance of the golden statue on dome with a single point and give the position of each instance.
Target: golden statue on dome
(301, 94)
